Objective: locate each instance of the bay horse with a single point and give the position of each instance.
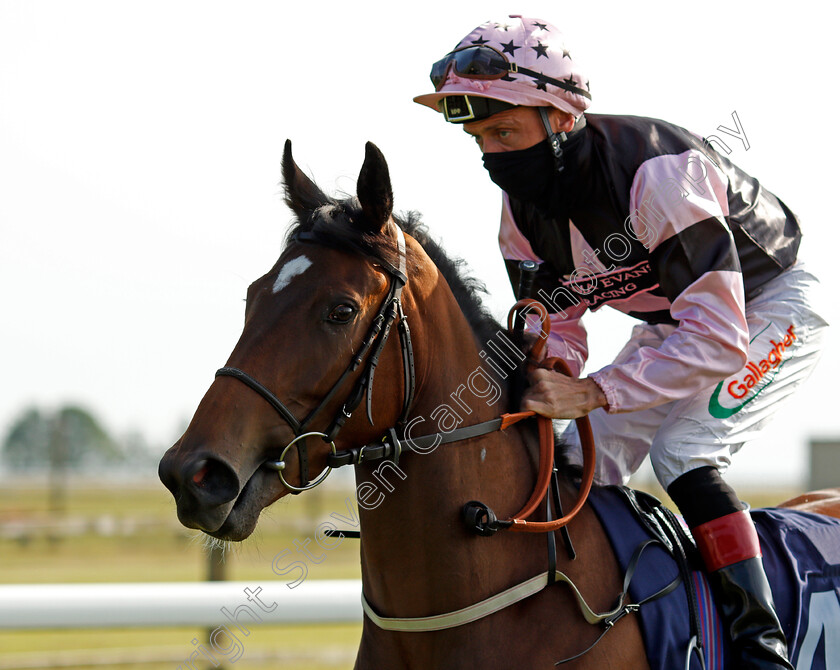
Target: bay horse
(283, 411)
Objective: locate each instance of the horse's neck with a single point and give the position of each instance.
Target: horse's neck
(414, 544)
(410, 511)
(418, 559)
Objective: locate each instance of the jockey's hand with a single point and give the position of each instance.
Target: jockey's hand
(556, 396)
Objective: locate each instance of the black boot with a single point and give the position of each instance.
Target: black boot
(746, 605)
(743, 594)
(728, 542)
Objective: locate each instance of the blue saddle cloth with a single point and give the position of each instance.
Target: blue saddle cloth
(801, 553)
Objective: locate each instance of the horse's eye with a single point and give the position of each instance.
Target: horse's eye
(342, 314)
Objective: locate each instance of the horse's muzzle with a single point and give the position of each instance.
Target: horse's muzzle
(204, 488)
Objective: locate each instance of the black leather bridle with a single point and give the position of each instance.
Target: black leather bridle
(370, 350)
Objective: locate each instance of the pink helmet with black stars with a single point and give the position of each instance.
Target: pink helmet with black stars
(520, 61)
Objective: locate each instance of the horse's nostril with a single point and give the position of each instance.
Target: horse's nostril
(212, 481)
(198, 477)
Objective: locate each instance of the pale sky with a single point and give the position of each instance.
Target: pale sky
(140, 147)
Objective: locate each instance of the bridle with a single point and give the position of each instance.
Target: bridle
(370, 349)
(478, 517)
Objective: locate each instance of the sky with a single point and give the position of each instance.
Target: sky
(140, 147)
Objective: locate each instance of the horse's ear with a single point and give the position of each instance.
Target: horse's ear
(302, 195)
(374, 189)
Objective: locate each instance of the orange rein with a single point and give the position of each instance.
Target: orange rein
(546, 432)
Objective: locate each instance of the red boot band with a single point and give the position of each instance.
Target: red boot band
(727, 540)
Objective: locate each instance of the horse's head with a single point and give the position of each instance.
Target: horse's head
(315, 328)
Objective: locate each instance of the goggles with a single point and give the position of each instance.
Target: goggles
(475, 62)
(463, 108)
(483, 62)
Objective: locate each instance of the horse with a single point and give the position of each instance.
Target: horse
(315, 382)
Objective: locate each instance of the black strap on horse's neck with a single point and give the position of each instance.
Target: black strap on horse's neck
(564, 531)
(392, 446)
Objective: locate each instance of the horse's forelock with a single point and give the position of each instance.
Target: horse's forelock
(340, 224)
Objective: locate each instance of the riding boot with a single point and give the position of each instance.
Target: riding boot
(732, 555)
(728, 543)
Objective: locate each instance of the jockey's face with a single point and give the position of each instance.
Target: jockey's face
(515, 129)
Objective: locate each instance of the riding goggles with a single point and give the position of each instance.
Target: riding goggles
(475, 62)
(483, 62)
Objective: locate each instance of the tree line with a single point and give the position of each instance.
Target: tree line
(69, 438)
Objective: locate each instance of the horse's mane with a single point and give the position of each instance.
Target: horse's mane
(467, 289)
(332, 225)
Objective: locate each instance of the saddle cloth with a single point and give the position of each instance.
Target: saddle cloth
(801, 553)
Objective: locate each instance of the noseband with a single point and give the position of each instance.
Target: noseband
(370, 351)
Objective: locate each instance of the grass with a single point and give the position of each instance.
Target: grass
(294, 647)
(115, 534)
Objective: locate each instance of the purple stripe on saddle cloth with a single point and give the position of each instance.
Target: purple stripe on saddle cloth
(711, 629)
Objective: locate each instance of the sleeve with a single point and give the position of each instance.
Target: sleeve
(679, 212)
(567, 339)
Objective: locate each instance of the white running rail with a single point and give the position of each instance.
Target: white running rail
(43, 606)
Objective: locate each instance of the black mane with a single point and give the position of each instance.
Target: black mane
(333, 225)
(467, 289)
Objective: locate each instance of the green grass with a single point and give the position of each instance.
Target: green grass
(289, 647)
(113, 534)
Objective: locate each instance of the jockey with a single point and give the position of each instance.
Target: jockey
(649, 218)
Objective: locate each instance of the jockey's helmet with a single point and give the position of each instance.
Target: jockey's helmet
(503, 64)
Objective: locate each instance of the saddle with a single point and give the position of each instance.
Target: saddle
(801, 555)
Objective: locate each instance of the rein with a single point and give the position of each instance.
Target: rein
(481, 517)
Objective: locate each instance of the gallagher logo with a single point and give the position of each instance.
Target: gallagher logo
(753, 380)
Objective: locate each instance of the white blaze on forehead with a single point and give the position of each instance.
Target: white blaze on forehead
(289, 271)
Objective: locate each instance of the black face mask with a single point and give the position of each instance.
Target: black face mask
(527, 175)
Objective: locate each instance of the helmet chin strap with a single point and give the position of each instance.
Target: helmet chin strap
(554, 139)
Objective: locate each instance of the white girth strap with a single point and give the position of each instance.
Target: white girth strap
(485, 608)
